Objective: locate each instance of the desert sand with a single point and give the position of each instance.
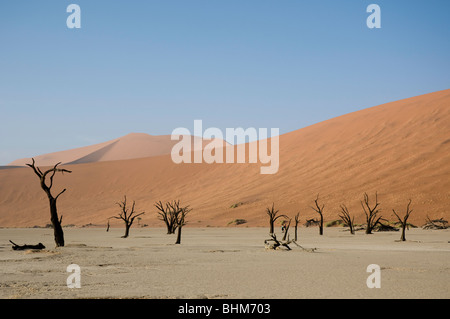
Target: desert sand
(400, 150)
(225, 263)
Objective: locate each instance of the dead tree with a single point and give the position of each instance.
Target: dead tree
(311, 222)
(404, 221)
(435, 224)
(272, 213)
(319, 210)
(347, 219)
(276, 243)
(167, 213)
(384, 227)
(297, 220)
(47, 187)
(286, 230)
(181, 221)
(127, 216)
(174, 216)
(371, 212)
(25, 247)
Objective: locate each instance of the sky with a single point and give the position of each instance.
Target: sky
(153, 66)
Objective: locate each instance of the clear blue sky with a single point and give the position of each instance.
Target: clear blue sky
(152, 66)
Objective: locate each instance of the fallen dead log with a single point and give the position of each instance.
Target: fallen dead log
(385, 227)
(435, 224)
(25, 247)
(312, 222)
(275, 244)
(309, 250)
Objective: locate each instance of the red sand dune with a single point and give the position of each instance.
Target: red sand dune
(131, 146)
(400, 149)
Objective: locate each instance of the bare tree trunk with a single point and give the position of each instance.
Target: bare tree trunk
(404, 221)
(297, 220)
(57, 228)
(287, 230)
(127, 230)
(56, 222)
(403, 238)
(347, 219)
(181, 221)
(126, 215)
(272, 213)
(178, 236)
(25, 247)
(271, 228)
(321, 225)
(371, 212)
(319, 210)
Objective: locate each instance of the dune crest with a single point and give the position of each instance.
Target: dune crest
(131, 146)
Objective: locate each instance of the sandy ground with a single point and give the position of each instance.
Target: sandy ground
(224, 263)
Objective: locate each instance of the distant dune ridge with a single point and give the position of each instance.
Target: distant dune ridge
(131, 146)
(400, 149)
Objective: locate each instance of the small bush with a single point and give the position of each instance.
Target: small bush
(237, 222)
(237, 205)
(334, 223)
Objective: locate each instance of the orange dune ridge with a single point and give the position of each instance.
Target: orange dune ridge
(399, 149)
(131, 146)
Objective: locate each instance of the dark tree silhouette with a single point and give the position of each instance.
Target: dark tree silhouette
(174, 216)
(319, 210)
(25, 247)
(272, 213)
(404, 221)
(126, 215)
(435, 223)
(371, 213)
(347, 219)
(276, 243)
(56, 221)
(181, 221)
(167, 213)
(286, 230)
(297, 220)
